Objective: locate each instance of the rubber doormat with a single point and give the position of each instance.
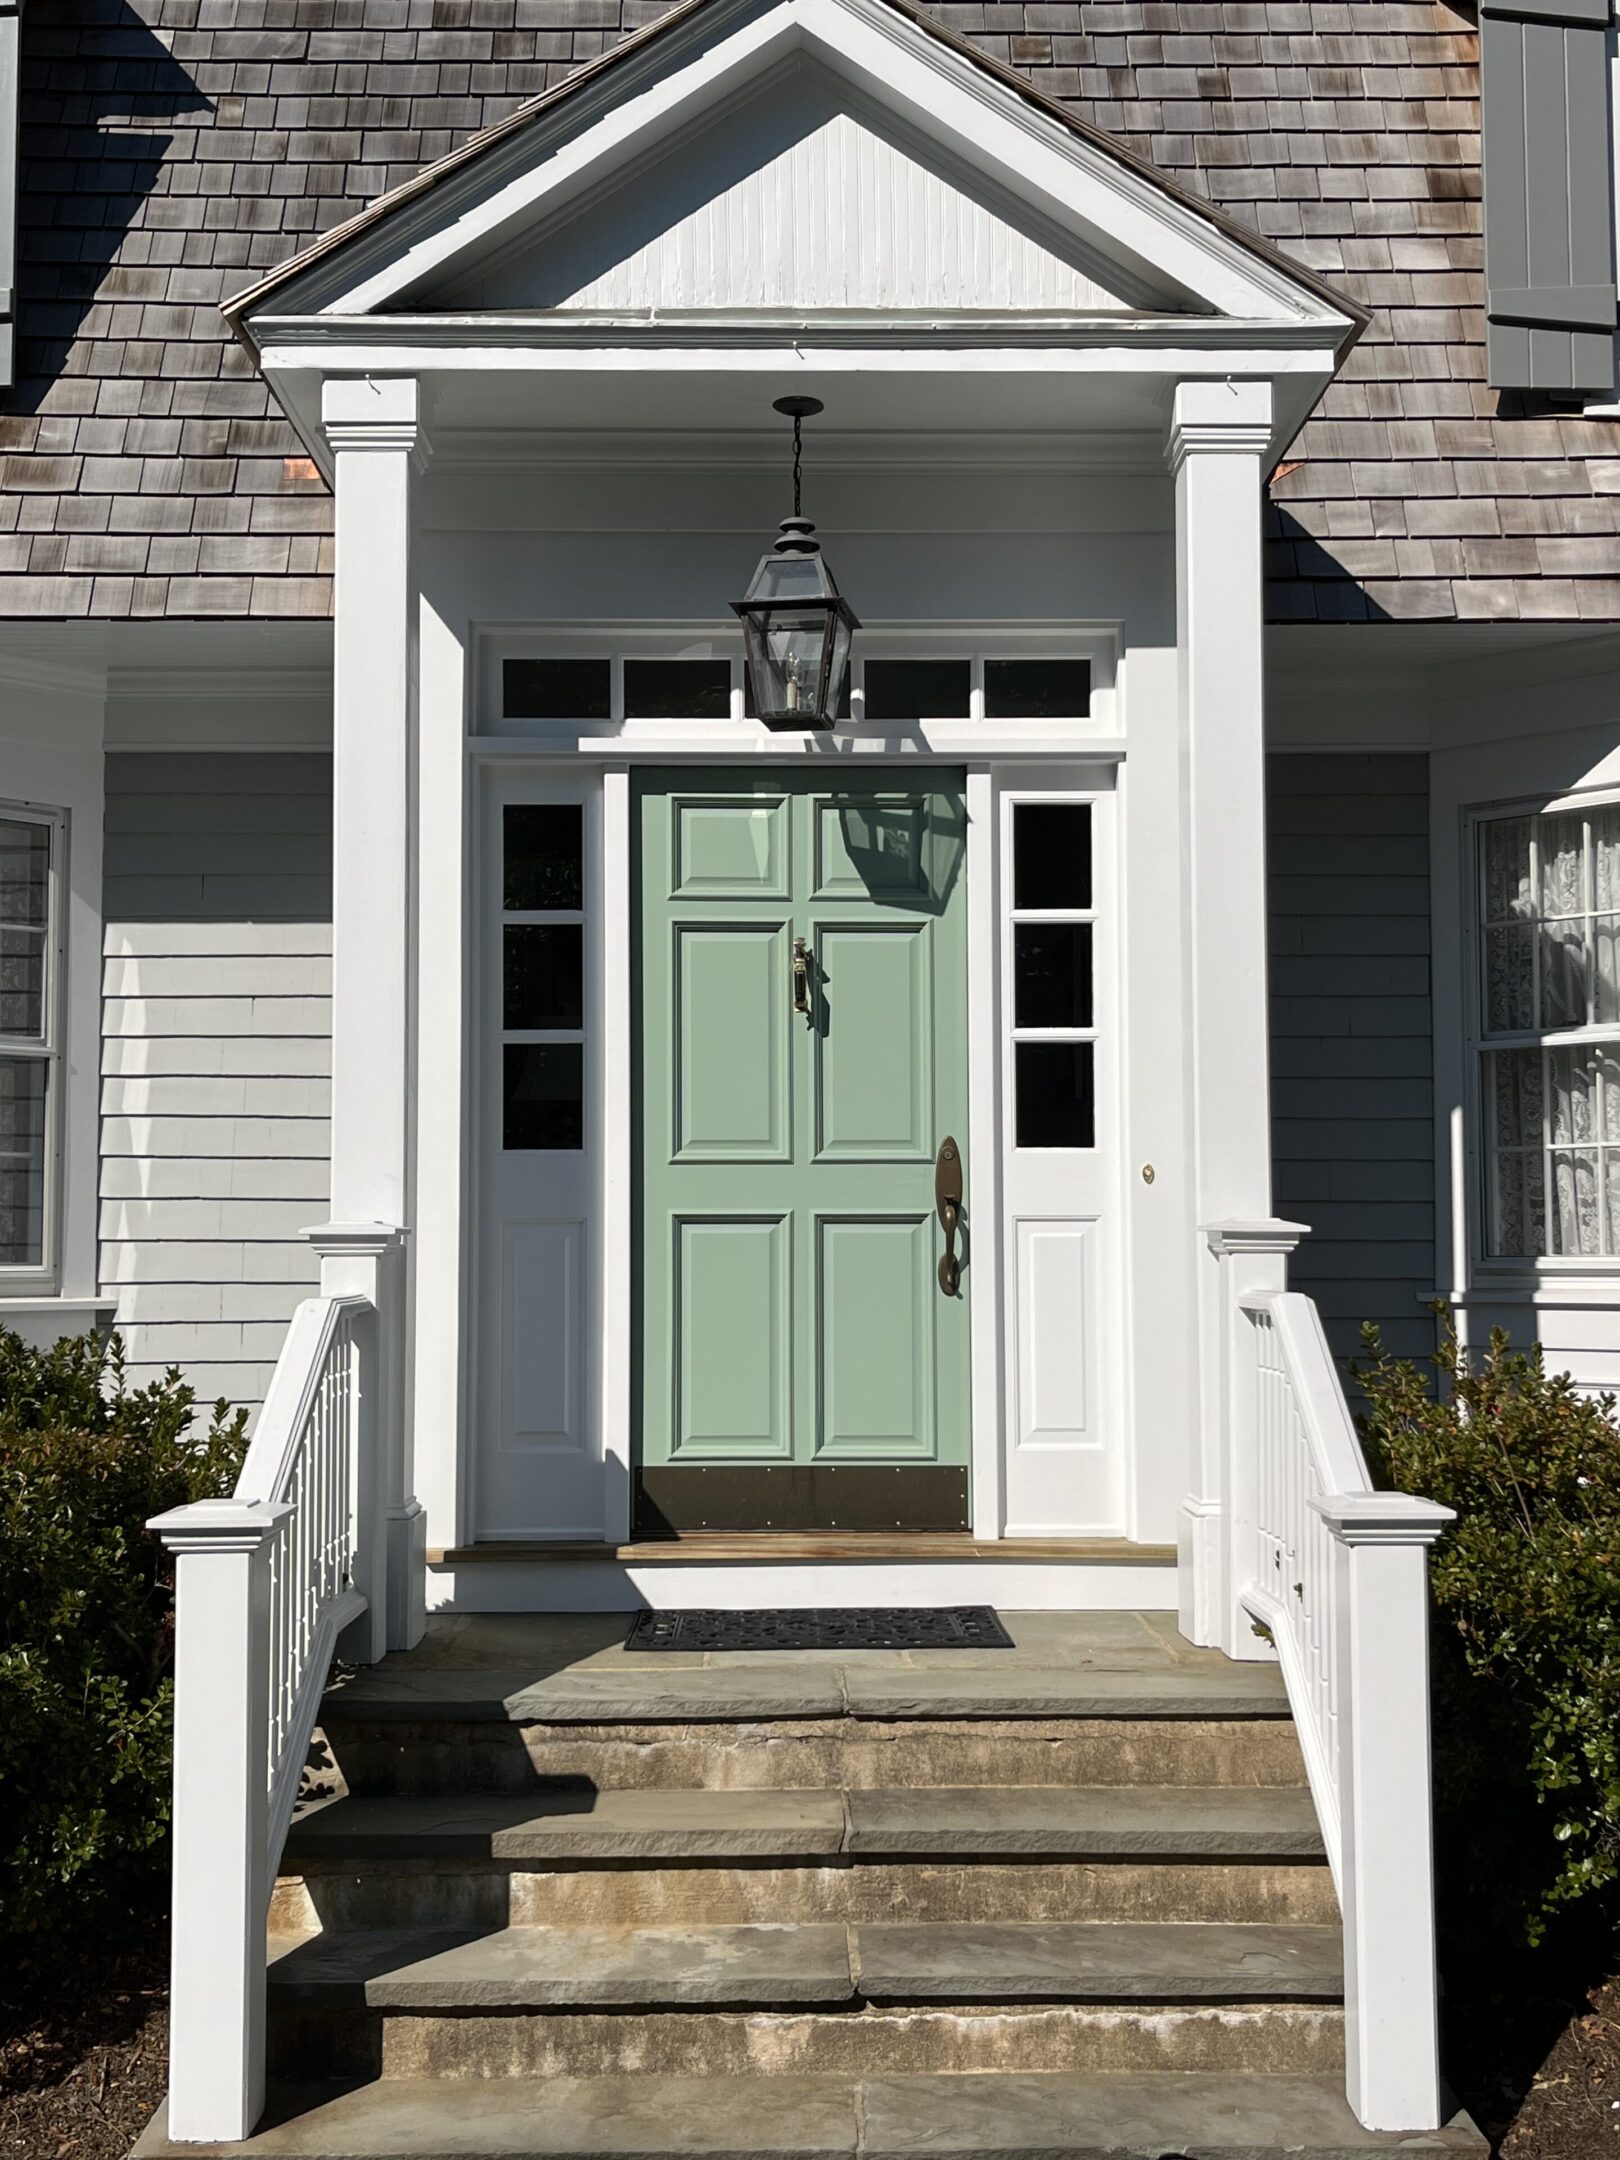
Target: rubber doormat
(863, 1627)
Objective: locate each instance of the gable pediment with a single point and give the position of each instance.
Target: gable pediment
(801, 196)
(803, 160)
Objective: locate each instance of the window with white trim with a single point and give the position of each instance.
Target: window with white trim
(1548, 1001)
(30, 1041)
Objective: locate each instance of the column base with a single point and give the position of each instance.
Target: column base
(1201, 1572)
(407, 1574)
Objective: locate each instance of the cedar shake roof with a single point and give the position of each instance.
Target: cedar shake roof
(176, 150)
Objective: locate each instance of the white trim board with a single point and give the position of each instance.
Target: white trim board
(531, 1585)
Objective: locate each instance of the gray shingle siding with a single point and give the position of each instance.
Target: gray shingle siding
(215, 1055)
(173, 152)
(1351, 1037)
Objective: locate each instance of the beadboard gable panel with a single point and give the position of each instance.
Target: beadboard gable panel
(1352, 1038)
(216, 1056)
(803, 197)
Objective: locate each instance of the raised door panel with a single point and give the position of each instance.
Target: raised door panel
(874, 1340)
(728, 1011)
(543, 1296)
(875, 1047)
(869, 847)
(730, 850)
(731, 1285)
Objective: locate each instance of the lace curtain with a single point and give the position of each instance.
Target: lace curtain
(1551, 905)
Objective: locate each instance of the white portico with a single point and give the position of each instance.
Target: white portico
(800, 1168)
(541, 380)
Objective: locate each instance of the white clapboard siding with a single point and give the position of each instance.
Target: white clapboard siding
(806, 197)
(216, 1057)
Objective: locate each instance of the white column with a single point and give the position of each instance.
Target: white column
(373, 427)
(221, 1813)
(1219, 436)
(1386, 1829)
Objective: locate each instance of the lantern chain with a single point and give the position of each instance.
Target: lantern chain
(798, 457)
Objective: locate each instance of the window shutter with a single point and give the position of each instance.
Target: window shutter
(1549, 181)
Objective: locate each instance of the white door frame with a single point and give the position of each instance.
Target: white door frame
(1073, 761)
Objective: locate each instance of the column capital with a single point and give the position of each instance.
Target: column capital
(1271, 1234)
(1218, 418)
(374, 412)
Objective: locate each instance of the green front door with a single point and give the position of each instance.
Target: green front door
(801, 1366)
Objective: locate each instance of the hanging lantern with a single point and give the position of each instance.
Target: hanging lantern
(797, 626)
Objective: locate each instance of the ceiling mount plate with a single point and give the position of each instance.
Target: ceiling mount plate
(798, 408)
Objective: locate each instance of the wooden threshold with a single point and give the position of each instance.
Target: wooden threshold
(705, 1547)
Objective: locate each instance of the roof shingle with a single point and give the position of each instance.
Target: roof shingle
(175, 150)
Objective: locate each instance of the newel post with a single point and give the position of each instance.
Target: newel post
(366, 1260)
(1386, 1828)
(221, 1897)
(1219, 443)
(1252, 1259)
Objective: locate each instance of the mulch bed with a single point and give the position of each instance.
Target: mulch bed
(82, 2053)
(1572, 2108)
(83, 2049)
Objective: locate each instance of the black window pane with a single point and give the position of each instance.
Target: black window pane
(542, 1095)
(917, 689)
(677, 689)
(543, 860)
(1052, 975)
(1051, 855)
(1055, 1102)
(557, 690)
(1036, 689)
(541, 975)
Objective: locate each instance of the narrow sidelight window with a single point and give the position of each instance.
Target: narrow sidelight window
(1548, 1005)
(30, 1077)
(1053, 977)
(542, 1003)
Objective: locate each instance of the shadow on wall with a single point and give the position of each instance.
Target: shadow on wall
(97, 89)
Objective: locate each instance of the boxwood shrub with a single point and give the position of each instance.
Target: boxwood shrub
(1526, 1636)
(86, 1650)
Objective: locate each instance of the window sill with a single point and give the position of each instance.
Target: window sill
(1572, 1293)
(42, 1321)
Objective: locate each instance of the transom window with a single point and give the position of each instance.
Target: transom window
(30, 928)
(1549, 1030)
(606, 688)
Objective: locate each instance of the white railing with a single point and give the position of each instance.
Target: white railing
(265, 1584)
(1334, 1571)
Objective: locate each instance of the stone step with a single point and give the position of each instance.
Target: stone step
(877, 2040)
(670, 1691)
(398, 1755)
(954, 2117)
(532, 1968)
(483, 1895)
(573, 1822)
(792, 2000)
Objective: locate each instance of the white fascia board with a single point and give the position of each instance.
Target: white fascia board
(628, 116)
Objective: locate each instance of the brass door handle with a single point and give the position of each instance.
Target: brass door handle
(948, 1201)
(801, 981)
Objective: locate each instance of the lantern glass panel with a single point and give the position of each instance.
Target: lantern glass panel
(786, 647)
